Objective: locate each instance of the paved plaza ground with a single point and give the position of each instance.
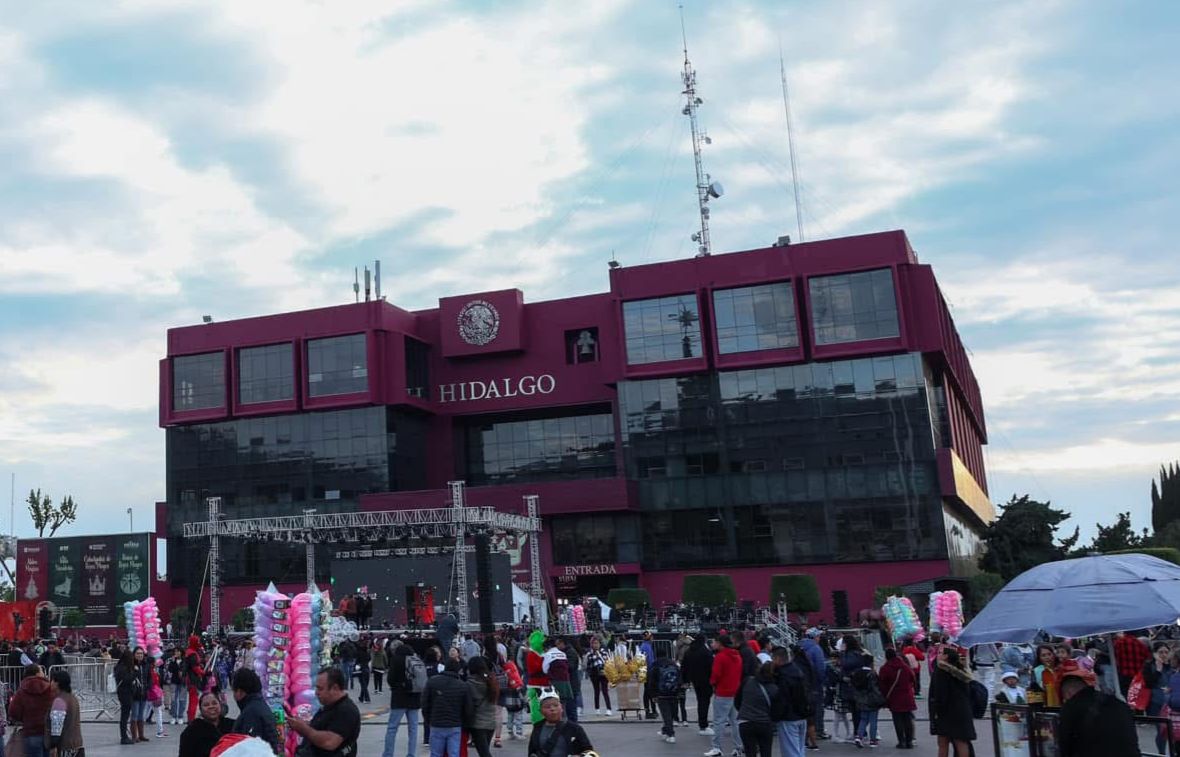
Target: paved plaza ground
(611, 737)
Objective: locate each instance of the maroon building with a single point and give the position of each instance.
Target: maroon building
(802, 408)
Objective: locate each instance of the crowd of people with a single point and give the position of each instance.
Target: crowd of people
(481, 691)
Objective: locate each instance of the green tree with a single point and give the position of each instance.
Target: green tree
(1168, 537)
(46, 515)
(1117, 537)
(982, 587)
(182, 621)
(243, 619)
(708, 590)
(1165, 498)
(882, 593)
(1024, 536)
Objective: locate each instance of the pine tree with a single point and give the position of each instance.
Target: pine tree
(1165, 498)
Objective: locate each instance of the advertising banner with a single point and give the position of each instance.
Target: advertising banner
(32, 570)
(98, 587)
(65, 575)
(132, 574)
(96, 574)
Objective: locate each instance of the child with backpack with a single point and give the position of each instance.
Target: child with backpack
(513, 701)
(866, 693)
(663, 681)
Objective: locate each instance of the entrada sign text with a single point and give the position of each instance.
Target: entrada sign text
(466, 391)
(591, 570)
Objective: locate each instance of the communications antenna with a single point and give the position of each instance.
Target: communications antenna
(706, 188)
(782, 68)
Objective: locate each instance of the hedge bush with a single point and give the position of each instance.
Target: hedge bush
(629, 599)
(798, 591)
(709, 590)
(1171, 554)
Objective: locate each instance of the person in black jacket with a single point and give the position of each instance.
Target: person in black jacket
(402, 701)
(362, 669)
(555, 734)
(696, 668)
(203, 733)
(951, 718)
(51, 657)
(254, 716)
(1093, 724)
(447, 703)
(126, 675)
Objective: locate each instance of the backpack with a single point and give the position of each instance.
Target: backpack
(978, 699)
(797, 696)
(668, 683)
(415, 682)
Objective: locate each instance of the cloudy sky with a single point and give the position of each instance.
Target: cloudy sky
(163, 160)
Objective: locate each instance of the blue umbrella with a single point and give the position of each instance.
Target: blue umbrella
(1083, 597)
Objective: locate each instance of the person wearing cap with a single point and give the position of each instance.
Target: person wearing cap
(817, 664)
(554, 734)
(1093, 724)
(1010, 691)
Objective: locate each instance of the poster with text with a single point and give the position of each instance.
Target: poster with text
(32, 570)
(64, 574)
(98, 580)
(132, 571)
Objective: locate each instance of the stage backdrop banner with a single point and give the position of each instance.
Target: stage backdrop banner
(65, 575)
(32, 571)
(98, 589)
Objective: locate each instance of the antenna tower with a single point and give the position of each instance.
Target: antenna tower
(782, 68)
(706, 189)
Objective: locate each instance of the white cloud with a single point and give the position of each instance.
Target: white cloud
(1098, 457)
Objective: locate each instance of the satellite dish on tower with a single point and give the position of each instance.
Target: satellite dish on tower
(715, 189)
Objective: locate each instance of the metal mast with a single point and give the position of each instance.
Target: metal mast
(307, 513)
(791, 144)
(706, 189)
(214, 565)
(536, 587)
(460, 568)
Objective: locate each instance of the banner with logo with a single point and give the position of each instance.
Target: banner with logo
(32, 571)
(65, 573)
(96, 574)
(131, 569)
(98, 584)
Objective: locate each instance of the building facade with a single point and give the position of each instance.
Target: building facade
(805, 408)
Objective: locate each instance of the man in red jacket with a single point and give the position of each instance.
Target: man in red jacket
(725, 679)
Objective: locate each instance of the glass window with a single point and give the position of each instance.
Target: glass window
(337, 365)
(546, 449)
(266, 374)
(417, 368)
(662, 329)
(198, 381)
(851, 307)
(755, 318)
(595, 539)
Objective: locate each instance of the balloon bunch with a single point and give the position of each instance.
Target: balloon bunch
(946, 613)
(574, 619)
(272, 642)
(134, 631)
(902, 619)
(340, 630)
(148, 622)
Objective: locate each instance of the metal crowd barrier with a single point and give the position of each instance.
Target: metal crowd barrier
(1023, 731)
(91, 680)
